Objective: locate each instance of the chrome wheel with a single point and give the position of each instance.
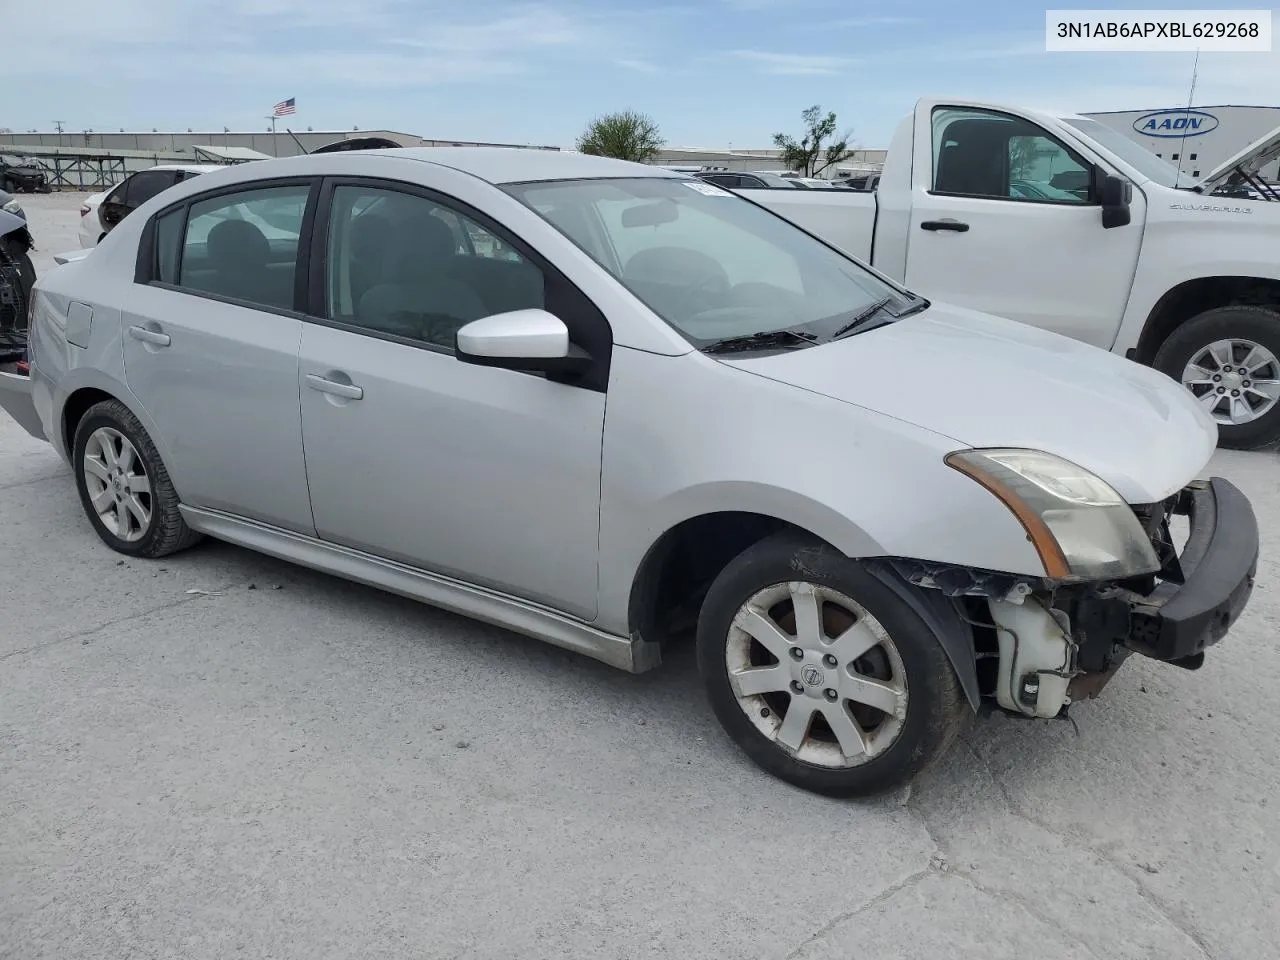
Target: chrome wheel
(1236, 381)
(117, 482)
(817, 674)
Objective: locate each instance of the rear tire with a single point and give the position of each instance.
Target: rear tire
(858, 645)
(1239, 345)
(124, 486)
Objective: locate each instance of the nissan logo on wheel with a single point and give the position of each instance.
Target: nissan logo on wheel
(1176, 123)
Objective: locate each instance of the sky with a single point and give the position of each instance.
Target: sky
(711, 73)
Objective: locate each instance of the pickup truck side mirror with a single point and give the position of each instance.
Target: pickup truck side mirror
(1114, 194)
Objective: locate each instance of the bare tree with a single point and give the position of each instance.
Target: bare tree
(808, 155)
(625, 136)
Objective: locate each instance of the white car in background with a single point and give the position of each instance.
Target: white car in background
(102, 211)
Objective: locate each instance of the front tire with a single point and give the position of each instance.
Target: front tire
(1229, 358)
(821, 673)
(124, 486)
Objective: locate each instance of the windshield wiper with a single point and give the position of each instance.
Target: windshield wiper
(762, 340)
(862, 320)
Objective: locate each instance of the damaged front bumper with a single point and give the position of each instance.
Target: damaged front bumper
(1178, 621)
(1065, 645)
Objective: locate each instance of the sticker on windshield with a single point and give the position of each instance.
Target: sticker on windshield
(709, 189)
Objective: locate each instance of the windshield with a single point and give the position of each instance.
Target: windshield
(1138, 157)
(711, 264)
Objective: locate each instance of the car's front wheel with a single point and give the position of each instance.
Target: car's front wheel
(821, 673)
(124, 486)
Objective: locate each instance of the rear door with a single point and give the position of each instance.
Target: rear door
(1004, 220)
(211, 341)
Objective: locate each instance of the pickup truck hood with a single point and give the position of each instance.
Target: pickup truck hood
(983, 381)
(1249, 160)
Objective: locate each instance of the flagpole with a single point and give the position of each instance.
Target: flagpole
(275, 152)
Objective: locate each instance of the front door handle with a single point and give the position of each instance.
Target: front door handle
(154, 337)
(947, 224)
(348, 390)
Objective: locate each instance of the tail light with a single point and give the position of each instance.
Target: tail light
(84, 208)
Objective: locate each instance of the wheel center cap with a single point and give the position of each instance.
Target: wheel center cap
(1232, 380)
(812, 675)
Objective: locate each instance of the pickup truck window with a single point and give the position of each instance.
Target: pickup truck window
(1140, 158)
(981, 153)
(711, 264)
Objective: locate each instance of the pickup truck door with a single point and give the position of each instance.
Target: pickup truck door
(1004, 219)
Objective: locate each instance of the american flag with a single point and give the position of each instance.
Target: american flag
(284, 108)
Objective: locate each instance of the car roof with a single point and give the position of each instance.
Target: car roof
(515, 165)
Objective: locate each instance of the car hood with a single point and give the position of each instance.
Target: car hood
(984, 381)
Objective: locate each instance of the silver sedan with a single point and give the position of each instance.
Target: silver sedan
(613, 407)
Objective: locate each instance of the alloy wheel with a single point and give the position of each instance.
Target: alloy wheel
(117, 482)
(817, 674)
(1236, 381)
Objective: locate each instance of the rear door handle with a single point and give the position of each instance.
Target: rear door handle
(947, 224)
(348, 390)
(149, 336)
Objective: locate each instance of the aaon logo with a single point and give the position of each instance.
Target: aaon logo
(1176, 123)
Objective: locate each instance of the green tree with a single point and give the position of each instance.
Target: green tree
(808, 155)
(625, 136)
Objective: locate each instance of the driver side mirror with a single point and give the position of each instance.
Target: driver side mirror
(1114, 194)
(531, 340)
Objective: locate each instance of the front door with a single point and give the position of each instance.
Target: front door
(211, 352)
(1003, 220)
(489, 476)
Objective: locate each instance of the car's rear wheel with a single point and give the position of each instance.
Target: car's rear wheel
(124, 486)
(821, 673)
(1229, 358)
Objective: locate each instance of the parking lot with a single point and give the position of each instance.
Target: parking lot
(218, 754)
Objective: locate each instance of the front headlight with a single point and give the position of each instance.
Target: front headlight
(1079, 525)
(12, 207)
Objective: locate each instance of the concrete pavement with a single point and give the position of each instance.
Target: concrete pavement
(218, 755)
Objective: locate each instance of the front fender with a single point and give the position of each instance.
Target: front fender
(1179, 247)
(712, 440)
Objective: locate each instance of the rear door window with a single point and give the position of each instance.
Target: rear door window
(145, 185)
(242, 246)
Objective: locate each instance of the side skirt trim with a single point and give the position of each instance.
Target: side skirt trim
(631, 654)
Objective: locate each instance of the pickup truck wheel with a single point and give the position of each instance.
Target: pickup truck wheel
(124, 486)
(1229, 357)
(820, 673)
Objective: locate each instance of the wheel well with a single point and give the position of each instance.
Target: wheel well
(1186, 300)
(73, 412)
(675, 574)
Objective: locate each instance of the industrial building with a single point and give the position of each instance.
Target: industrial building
(278, 144)
(1196, 139)
(92, 160)
(860, 162)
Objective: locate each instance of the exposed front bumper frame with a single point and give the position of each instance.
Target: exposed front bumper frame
(1176, 622)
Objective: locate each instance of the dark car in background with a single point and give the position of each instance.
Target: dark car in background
(20, 175)
(749, 181)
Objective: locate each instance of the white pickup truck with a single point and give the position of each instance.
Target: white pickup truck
(1065, 224)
